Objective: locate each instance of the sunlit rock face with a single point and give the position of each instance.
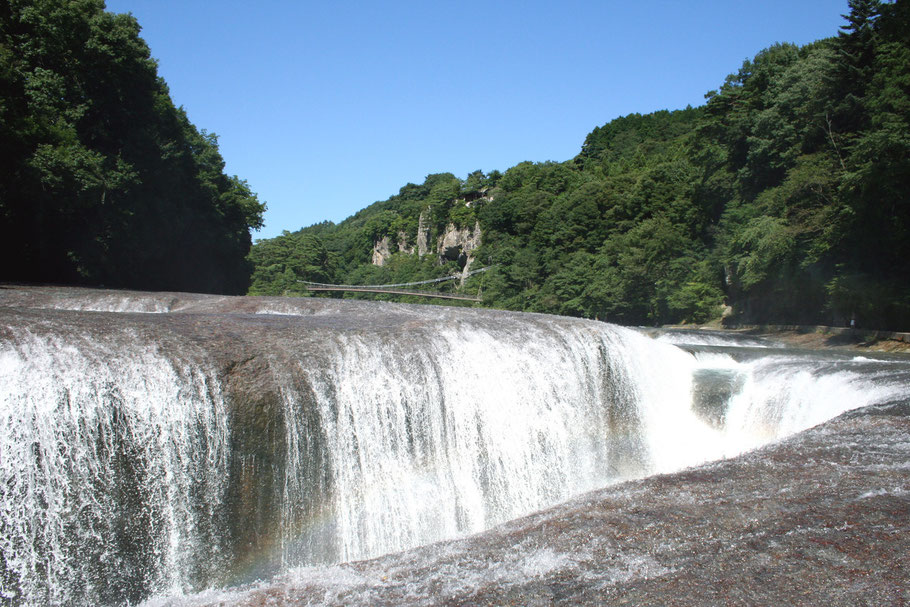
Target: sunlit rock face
(459, 244)
(381, 252)
(453, 244)
(155, 444)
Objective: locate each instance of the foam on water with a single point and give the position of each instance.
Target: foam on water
(783, 394)
(693, 337)
(116, 303)
(86, 426)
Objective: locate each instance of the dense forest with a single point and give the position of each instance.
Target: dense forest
(103, 179)
(785, 198)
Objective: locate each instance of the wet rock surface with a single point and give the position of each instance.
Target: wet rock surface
(820, 519)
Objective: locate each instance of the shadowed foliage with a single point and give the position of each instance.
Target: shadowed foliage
(104, 180)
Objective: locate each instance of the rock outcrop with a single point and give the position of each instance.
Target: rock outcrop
(458, 244)
(381, 252)
(454, 244)
(423, 235)
(403, 245)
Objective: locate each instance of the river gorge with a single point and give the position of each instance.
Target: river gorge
(179, 449)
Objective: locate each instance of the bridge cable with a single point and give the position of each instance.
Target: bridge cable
(401, 284)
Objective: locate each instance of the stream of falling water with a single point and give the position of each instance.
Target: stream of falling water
(90, 430)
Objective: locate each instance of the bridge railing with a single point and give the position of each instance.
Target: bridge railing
(397, 288)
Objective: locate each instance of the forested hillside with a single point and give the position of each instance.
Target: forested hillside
(786, 196)
(103, 179)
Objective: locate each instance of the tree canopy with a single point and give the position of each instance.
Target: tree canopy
(104, 180)
(785, 197)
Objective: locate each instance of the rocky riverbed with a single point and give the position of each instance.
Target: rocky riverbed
(820, 519)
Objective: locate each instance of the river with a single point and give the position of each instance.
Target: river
(182, 449)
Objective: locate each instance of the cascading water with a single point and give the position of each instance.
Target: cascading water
(112, 465)
(216, 441)
(474, 427)
(785, 392)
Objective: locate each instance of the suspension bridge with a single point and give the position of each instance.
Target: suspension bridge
(405, 288)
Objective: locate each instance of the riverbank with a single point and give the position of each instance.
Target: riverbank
(835, 337)
(819, 336)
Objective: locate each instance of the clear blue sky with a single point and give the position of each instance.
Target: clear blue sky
(325, 108)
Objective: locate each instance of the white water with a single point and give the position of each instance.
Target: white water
(427, 436)
(713, 338)
(783, 395)
(84, 426)
(468, 431)
(482, 424)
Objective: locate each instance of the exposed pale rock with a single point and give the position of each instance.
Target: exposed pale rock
(381, 252)
(458, 244)
(423, 235)
(403, 246)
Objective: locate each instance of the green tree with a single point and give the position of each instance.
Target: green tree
(281, 263)
(784, 196)
(104, 180)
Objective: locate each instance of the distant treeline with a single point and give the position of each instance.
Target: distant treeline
(102, 179)
(786, 197)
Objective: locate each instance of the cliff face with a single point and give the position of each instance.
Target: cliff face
(454, 244)
(381, 252)
(382, 248)
(459, 244)
(423, 235)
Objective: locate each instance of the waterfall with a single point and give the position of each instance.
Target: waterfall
(781, 394)
(474, 427)
(137, 459)
(112, 463)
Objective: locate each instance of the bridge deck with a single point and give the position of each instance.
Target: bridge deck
(398, 292)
